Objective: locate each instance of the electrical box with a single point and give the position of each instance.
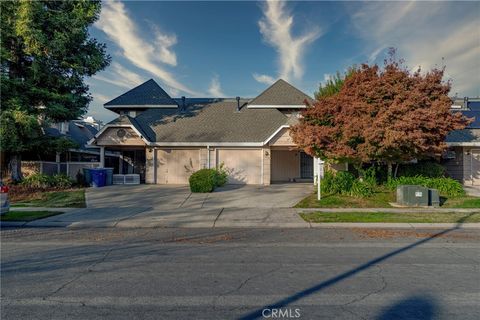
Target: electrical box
(412, 196)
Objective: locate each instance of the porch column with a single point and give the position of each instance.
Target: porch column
(102, 157)
(57, 160)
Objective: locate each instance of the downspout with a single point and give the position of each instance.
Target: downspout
(208, 156)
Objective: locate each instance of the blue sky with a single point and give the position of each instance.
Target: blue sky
(227, 49)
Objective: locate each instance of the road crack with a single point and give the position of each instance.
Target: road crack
(79, 276)
(365, 296)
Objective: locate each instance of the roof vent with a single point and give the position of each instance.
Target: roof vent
(183, 103)
(238, 104)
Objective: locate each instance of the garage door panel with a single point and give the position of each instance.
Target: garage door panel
(174, 166)
(243, 165)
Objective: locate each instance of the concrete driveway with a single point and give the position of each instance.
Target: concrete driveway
(176, 206)
(172, 197)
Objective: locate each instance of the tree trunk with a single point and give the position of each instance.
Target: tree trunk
(15, 167)
(389, 170)
(396, 170)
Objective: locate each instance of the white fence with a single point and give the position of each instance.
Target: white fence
(50, 168)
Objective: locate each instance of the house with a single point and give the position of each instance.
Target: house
(166, 139)
(462, 160)
(72, 160)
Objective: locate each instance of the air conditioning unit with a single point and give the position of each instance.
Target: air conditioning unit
(126, 178)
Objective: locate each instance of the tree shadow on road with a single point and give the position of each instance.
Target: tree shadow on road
(257, 314)
(412, 308)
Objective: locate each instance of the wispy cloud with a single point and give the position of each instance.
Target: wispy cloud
(426, 34)
(120, 28)
(276, 27)
(120, 76)
(263, 78)
(215, 88)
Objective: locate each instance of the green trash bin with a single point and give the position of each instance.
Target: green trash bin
(87, 176)
(109, 177)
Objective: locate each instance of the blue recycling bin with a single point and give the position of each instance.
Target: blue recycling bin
(109, 177)
(98, 177)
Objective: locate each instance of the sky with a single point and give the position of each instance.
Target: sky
(228, 49)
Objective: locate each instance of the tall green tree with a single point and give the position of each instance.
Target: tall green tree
(333, 85)
(46, 54)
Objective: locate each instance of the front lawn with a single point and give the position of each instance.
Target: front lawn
(51, 199)
(379, 199)
(410, 217)
(26, 216)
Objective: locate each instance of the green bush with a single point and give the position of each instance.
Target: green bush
(61, 181)
(339, 183)
(425, 169)
(37, 180)
(43, 181)
(362, 189)
(446, 186)
(222, 175)
(203, 180)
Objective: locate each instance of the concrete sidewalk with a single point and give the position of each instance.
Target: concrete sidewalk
(148, 217)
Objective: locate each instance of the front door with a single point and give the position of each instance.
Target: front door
(306, 166)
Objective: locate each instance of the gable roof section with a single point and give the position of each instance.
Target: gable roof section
(281, 94)
(147, 95)
(209, 124)
(466, 137)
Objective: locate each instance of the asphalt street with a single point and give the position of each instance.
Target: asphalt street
(156, 273)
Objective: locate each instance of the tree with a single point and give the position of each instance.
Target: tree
(46, 53)
(388, 115)
(333, 84)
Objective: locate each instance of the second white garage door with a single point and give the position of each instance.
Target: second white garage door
(174, 166)
(245, 165)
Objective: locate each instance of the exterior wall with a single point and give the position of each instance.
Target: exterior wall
(110, 137)
(150, 165)
(282, 139)
(285, 165)
(471, 166)
(455, 167)
(267, 160)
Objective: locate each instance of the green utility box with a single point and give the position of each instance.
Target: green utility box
(412, 196)
(433, 198)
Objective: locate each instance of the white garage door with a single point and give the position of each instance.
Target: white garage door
(174, 166)
(244, 165)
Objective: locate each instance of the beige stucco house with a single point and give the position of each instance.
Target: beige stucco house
(164, 140)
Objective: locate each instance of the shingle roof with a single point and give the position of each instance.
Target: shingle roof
(216, 122)
(147, 94)
(79, 132)
(466, 135)
(281, 93)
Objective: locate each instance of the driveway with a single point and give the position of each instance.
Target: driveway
(176, 206)
(172, 197)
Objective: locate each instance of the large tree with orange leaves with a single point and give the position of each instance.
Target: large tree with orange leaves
(388, 115)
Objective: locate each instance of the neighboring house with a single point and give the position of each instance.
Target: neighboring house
(166, 139)
(462, 159)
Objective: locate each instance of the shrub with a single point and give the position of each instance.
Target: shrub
(341, 182)
(426, 169)
(222, 175)
(362, 189)
(61, 181)
(203, 180)
(37, 180)
(43, 181)
(446, 186)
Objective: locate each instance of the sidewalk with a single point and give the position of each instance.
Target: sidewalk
(148, 217)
